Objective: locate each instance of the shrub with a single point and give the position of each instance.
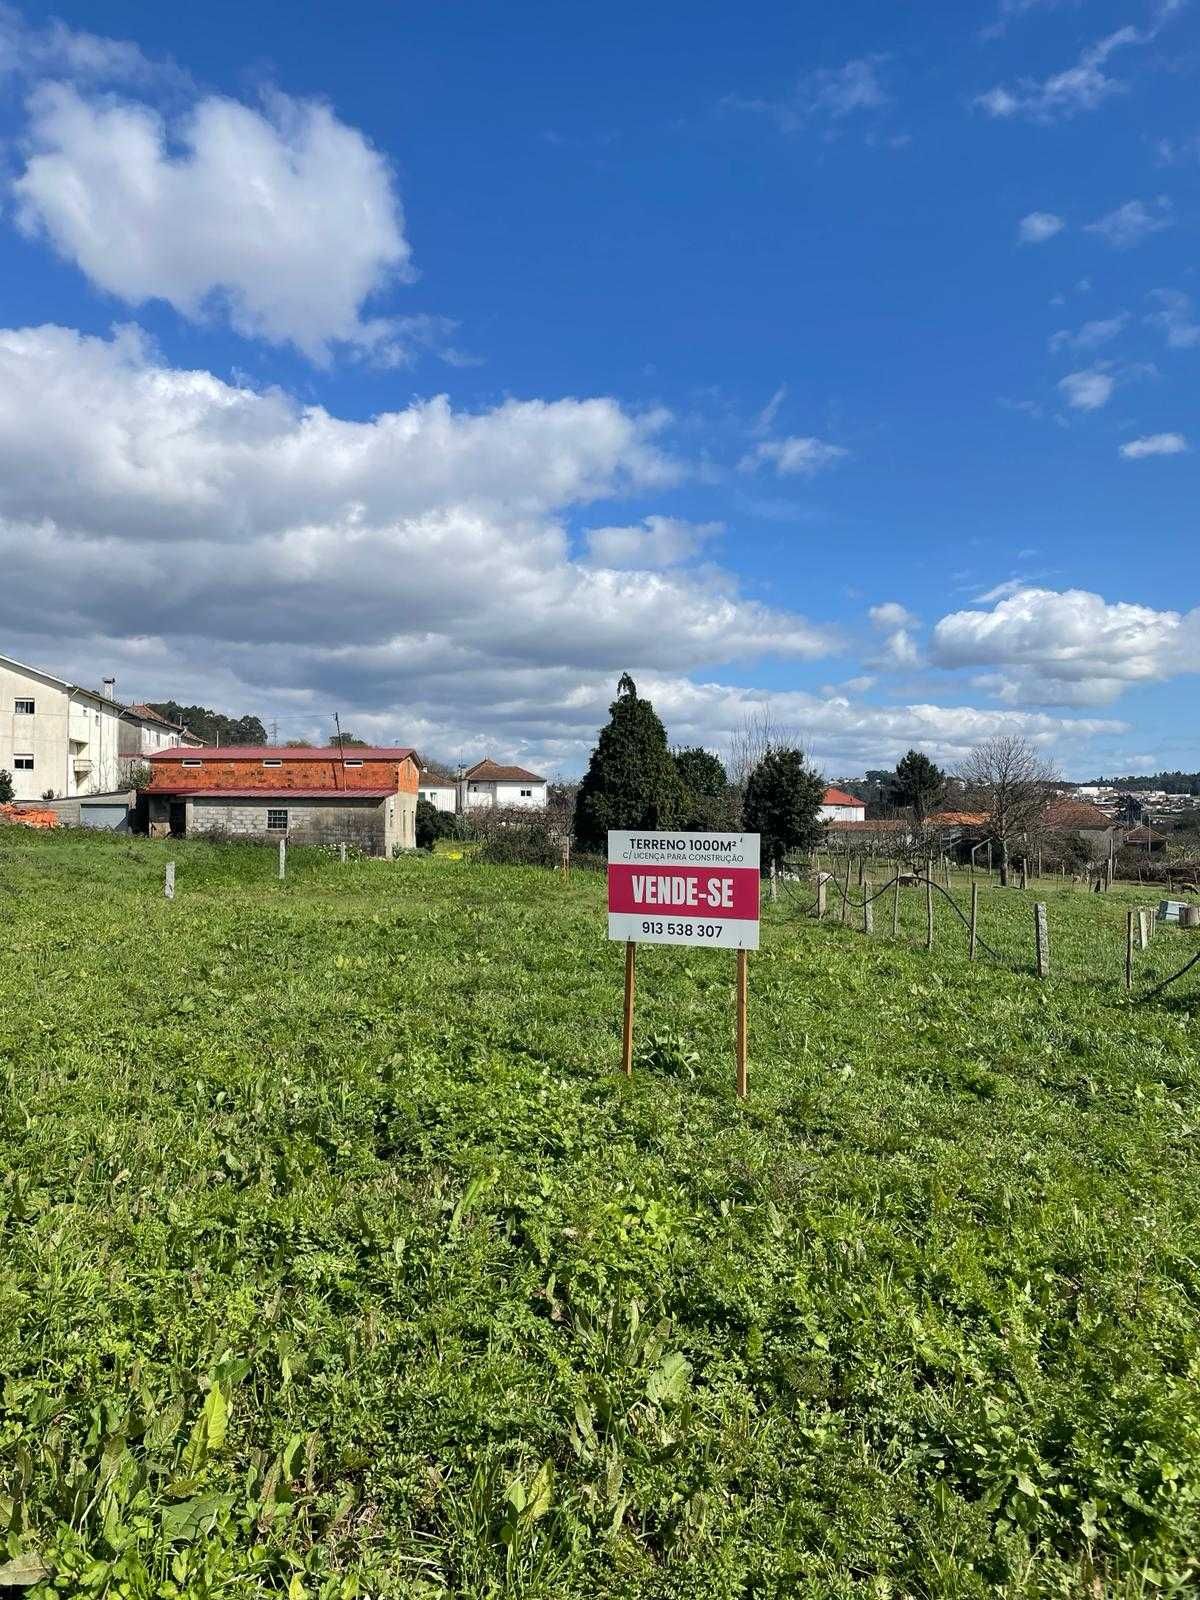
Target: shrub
(433, 825)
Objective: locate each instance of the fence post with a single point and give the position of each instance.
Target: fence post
(1024, 872)
(342, 851)
(1143, 930)
(1128, 951)
(169, 882)
(929, 912)
(282, 859)
(846, 892)
(1042, 935)
(820, 897)
(774, 889)
(974, 918)
(868, 907)
(896, 908)
(946, 862)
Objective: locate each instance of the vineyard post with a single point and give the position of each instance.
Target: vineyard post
(868, 907)
(1128, 951)
(846, 892)
(974, 918)
(169, 882)
(774, 888)
(989, 845)
(1143, 929)
(342, 851)
(929, 912)
(1024, 872)
(1041, 931)
(820, 898)
(946, 862)
(896, 908)
(282, 859)
(862, 868)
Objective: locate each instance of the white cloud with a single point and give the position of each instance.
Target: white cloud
(411, 568)
(1083, 87)
(59, 51)
(655, 542)
(792, 456)
(284, 220)
(1088, 390)
(1068, 647)
(1092, 334)
(1176, 318)
(828, 95)
(1039, 226)
(1154, 444)
(898, 651)
(1129, 224)
(891, 614)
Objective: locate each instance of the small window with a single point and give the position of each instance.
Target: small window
(191, 763)
(526, 794)
(277, 821)
(26, 707)
(352, 763)
(22, 763)
(272, 763)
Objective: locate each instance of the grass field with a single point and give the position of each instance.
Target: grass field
(336, 1258)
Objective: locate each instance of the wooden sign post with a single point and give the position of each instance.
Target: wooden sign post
(630, 987)
(684, 888)
(169, 882)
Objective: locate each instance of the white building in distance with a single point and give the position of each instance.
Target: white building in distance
(838, 806)
(489, 784)
(58, 737)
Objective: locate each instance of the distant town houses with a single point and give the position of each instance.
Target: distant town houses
(70, 741)
(487, 784)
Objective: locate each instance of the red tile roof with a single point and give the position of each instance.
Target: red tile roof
(491, 772)
(839, 797)
(958, 819)
(286, 752)
(281, 794)
(1075, 814)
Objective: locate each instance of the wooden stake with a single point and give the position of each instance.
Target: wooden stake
(1143, 930)
(820, 898)
(896, 908)
(1024, 872)
(1042, 935)
(169, 882)
(868, 907)
(742, 1084)
(774, 889)
(282, 859)
(342, 852)
(846, 893)
(974, 918)
(630, 984)
(1128, 951)
(929, 913)
(947, 863)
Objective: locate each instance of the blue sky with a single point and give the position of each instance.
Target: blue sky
(845, 367)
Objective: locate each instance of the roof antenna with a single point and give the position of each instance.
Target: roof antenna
(341, 746)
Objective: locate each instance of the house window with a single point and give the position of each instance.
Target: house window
(24, 706)
(22, 763)
(526, 794)
(277, 821)
(272, 763)
(352, 763)
(191, 763)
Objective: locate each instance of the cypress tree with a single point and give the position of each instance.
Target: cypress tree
(783, 803)
(631, 780)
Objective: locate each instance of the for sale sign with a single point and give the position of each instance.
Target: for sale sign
(683, 888)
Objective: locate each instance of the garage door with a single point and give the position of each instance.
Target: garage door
(103, 816)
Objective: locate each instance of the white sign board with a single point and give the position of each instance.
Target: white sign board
(667, 887)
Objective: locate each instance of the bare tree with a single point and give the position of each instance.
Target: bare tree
(1010, 780)
(758, 732)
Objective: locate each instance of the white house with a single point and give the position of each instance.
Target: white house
(438, 788)
(489, 784)
(59, 737)
(144, 733)
(838, 806)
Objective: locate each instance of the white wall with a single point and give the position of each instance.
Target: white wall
(73, 738)
(440, 795)
(531, 796)
(843, 813)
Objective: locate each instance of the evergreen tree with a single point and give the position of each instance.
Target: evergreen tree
(783, 803)
(6, 787)
(631, 780)
(708, 800)
(212, 726)
(918, 784)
